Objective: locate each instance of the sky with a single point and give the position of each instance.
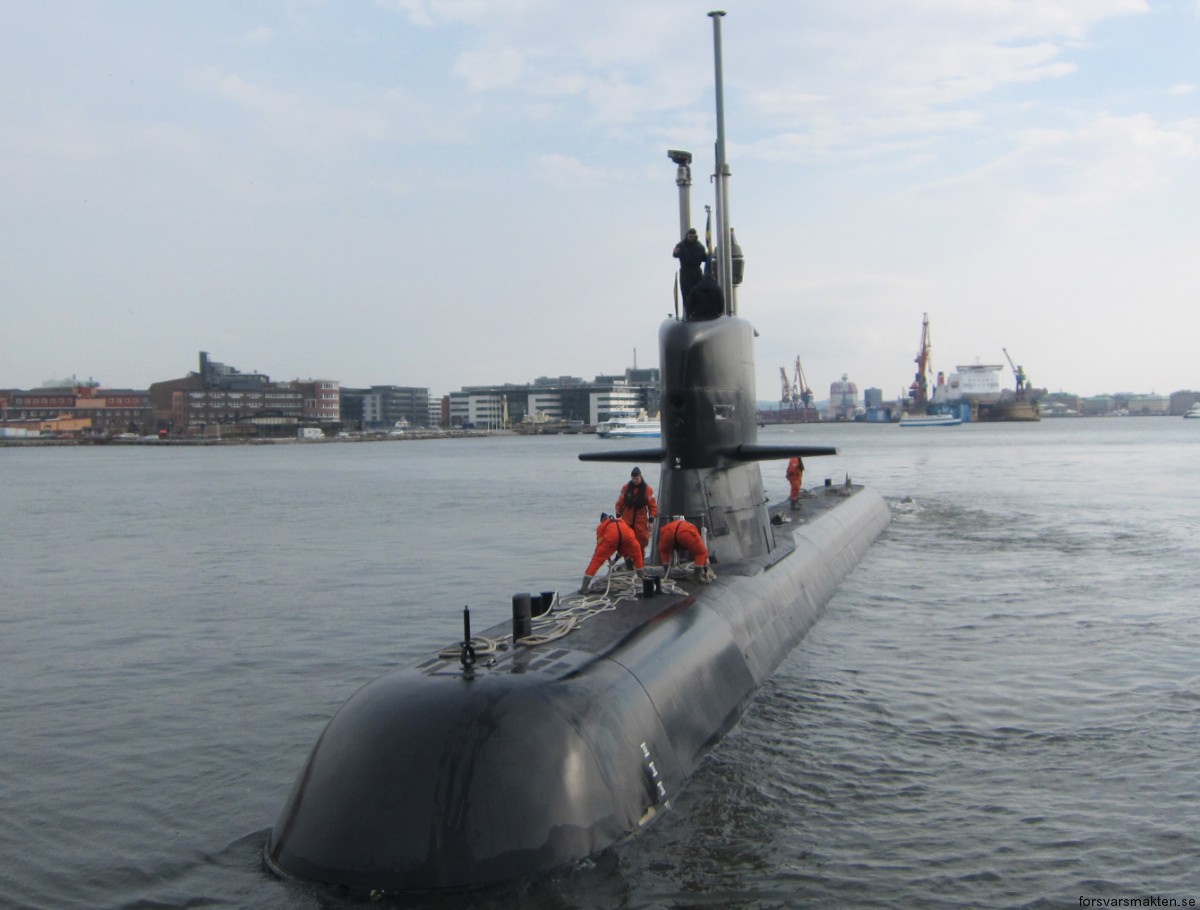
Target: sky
(446, 193)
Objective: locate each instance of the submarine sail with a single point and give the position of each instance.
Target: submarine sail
(474, 768)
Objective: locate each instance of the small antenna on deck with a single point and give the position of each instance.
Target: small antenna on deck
(467, 652)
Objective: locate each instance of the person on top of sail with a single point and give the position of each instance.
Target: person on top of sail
(681, 534)
(692, 256)
(794, 474)
(637, 506)
(613, 536)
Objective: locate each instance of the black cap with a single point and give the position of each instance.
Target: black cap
(636, 472)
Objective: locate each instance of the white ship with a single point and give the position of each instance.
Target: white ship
(629, 425)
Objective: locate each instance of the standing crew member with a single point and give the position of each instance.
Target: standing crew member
(795, 473)
(613, 536)
(686, 536)
(637, 506)
(691, 255)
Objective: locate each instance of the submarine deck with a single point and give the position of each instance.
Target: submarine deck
(539, 754)
(580, 628)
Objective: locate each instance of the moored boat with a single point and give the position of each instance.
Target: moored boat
(929, 420)
(630, 426)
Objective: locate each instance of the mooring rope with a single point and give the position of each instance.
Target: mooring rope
(570, 611)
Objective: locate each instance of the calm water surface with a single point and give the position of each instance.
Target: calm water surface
(1001, 707)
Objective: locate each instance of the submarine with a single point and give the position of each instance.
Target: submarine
(543, 741)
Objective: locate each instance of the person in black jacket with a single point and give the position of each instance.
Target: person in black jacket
(691, 255)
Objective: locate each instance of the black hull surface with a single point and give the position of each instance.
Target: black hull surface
(441, 776)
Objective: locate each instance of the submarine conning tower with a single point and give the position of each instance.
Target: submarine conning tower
(708, 419)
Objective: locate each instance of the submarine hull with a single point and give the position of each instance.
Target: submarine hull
(465, 772)
(444, 776)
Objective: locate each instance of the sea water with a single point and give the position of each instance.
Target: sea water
(1000, 707)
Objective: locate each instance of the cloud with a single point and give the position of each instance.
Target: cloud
(489, 69)
(1183, 88)
(1081, 171)
(430, 13)
(261, 35)
(64, 134)
(295, 121)
(1107, 160)
(565, 171)
(1017, 20)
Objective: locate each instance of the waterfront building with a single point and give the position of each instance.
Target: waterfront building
(85, 410)
(1148, 405)
(559, 398)
(1097, 405)
(843, 399)
(481, 408)
(219, 399)
(322, 399)
(1182, 401)
(382, 407)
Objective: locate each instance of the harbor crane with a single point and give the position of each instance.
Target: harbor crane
(795, 392)
(800, 386)
(918, 392)
(1018, 373)
(787, 394)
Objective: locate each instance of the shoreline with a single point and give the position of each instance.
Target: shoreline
(251, 440)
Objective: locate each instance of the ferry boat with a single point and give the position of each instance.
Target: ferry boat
(929, 420)
(630, 426)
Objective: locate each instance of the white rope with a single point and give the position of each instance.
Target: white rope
(572, 610)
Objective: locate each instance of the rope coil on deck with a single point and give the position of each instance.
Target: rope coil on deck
(572, 610)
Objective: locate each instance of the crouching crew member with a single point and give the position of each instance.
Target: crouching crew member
(637, 506)
(684, 535)
(795, 473)
(613, 536)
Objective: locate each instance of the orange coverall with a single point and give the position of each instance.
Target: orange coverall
(614, 536)
(686, 536)
(795, 472)
(635, 514)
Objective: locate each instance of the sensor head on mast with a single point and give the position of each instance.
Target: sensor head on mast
(683, 159)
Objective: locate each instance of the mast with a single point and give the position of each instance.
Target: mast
(683, 180)
(724, 235)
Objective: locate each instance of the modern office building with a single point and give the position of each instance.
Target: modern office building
(383, 407)
(561, 398)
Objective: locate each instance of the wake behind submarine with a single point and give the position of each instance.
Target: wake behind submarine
(532, 747)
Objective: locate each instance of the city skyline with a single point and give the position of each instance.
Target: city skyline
(457, 192)
(821, 394)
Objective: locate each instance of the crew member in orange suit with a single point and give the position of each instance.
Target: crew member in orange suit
(613, 536)
(637, 506)
(795, 473)
(682, 534)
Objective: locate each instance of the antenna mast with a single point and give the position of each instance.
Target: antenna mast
(724, 237)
